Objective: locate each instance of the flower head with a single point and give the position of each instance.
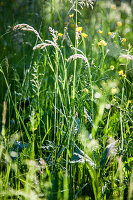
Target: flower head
(100, 32)
(129, 101)
(84, 35)
(114, 91)
(113, 6)
(124, 75)
(120, 72)
(79, 29)
(102, 43)
(60, 34)
(119, 24)
(123, 39)
(71, 16)
(109, 33)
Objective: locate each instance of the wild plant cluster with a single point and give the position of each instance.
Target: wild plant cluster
(66, 130)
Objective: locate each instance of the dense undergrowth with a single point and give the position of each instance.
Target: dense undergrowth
(66, 124)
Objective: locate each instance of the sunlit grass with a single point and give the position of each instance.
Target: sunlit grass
(66, 130)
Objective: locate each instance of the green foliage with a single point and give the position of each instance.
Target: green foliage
(66, 102)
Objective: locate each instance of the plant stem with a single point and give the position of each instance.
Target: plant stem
(76, 46)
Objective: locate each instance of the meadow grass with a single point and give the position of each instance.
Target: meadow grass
(66, 130)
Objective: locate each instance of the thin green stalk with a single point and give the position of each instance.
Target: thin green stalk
(91, 86)
(121, 125)
(76, 46)
(16, 111)
(56, 91)
(90, 79)
(122, 138)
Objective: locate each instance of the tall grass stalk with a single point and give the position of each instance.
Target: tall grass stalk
(76, 46)
(16, 111)
(67, 132)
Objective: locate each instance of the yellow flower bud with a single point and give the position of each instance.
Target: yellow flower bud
(86, 90)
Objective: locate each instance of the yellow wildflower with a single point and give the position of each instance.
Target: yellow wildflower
(84, 35)
(113, 90)
(71, 16)
(112, 67)
(109, 33)
(124, 75)
(129, 101)
(113, 6)
(120, 72)
(86, 90)
(99, 43)
(100, 32)
(119, 24)
(102, 43)
(123, 39)
(79, 29)
(60, 34)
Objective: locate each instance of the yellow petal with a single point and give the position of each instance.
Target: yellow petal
(84, 35)
(79, 29)
(120, 72)
(71, 16)
(109, 33)
(119, 24)
(100, 32)
(124, 40)
(60, 34)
